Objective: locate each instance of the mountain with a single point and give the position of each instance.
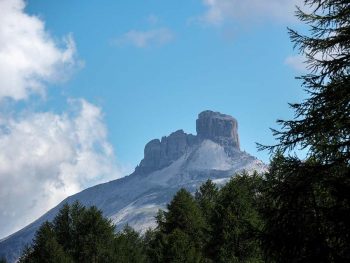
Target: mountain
(176, 161)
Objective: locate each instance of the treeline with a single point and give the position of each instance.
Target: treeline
(253, 218)
(215, 225)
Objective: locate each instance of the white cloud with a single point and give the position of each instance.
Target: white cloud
(296, 62)
(142, 39)
(46, 157)
(219, 11)
(29, 57)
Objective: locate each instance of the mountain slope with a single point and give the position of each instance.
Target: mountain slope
(178, 161)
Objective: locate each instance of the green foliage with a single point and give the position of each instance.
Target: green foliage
(322, 121)
(129, 247)
(214, 226)
(154, 241)
(180, 236)
(45, 247)
(304, 217)
(180, 248)
(77, 234)
(307, 202)
(293, 229)
(206, 197)
(237, 223)
(185, 214)
(94, 235)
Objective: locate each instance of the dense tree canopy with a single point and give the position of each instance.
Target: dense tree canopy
(80, 234)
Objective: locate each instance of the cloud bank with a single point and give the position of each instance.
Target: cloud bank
(29, 57)
(45, 156)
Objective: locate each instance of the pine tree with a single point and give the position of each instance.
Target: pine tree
(92, 234)
(237, 222)
(77, 234)
(206, 197)
(184, 214)
(180, 248)
(45, 248)
(309, 200)
(180, 233)
(129, 247)
(295, 205)
(62, 225)
(322, 121)
(155, 241)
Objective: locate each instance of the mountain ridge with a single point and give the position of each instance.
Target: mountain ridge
(179, 160)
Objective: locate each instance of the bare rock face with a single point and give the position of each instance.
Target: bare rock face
(214, 126)
(219, 128)
(159, 154)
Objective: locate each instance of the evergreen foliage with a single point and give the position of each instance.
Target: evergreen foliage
(307, 202)
(218, 225)
(129, 247)
(207, 197)
(322, 122)
(180, 233)
(237, 223)
(45, 247)
(77, 234)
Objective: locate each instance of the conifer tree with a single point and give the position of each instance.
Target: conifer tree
(45, 248)
(77, 234)
(308, 201)
(183, 223)
(184, 214)
(93, 236)
(237, 222)
(180, 248)
(206, 197)
(62, 225)
(129, 247)
(322, 121)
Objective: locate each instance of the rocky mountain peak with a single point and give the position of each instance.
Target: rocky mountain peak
(214, 126)
(218, 127)
(161, 153)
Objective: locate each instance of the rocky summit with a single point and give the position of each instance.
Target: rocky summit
(214, 126)
(177, 161)
(219, 128)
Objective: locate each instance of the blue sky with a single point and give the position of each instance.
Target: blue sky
(84, 85)
(238, 68)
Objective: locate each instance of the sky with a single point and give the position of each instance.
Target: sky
(84, 85)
